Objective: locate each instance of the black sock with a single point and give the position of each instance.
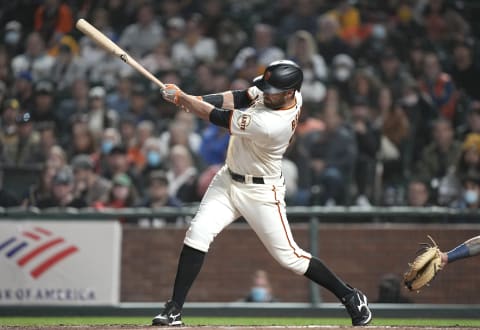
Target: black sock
(319, 273)
(189, 266)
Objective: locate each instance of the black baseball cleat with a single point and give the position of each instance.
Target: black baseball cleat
(171, 315)
(357, 306)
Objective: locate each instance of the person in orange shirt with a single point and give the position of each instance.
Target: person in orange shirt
(53, 19)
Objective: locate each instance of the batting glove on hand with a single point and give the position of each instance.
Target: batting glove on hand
(171, 93)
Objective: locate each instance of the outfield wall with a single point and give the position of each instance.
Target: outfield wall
(361, 253)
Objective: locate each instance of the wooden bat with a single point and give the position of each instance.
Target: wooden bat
(111, 47)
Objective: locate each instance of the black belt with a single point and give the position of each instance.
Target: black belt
(241, 178)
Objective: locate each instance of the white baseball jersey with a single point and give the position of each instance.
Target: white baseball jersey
(259, 139)
(260, 136)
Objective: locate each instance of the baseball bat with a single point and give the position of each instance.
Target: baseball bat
(111, 47)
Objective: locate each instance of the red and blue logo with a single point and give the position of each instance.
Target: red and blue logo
(37, 247)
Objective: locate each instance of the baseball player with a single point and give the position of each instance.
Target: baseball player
(261, 121)
(469, 248)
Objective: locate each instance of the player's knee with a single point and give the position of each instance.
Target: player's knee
(298, 265)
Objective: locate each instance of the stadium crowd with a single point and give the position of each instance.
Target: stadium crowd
(391, 111)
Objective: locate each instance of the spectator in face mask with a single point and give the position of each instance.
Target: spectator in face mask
(342, 70)
(469, 197)
(261, 290)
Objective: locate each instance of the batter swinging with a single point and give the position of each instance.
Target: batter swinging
(251, 184)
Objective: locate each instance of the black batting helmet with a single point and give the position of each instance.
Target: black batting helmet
(280, 76)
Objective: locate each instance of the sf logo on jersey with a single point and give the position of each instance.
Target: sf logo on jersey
(243, 121)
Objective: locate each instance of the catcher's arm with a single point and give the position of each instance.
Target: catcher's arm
(467, 249)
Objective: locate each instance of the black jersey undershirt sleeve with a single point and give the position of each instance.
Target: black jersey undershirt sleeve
(241, 99)
(220, 117)
(214, 99)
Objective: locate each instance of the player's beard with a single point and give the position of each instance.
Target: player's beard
(273, 104)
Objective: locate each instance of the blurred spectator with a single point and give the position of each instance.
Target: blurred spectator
(140, 108)
(13, 37)
(182, 131)
(364, 84)
(194, 47)
(83, 141)
(89, 185)
(465, 70)
(303, 50)
(301, 17)
(439, 86)
(141, 37)
(264, 48)
(52, 20)
(394, 154)
(122, 13)
(73, 105)
(119, 99)
(154, 158)
(367, 137)
(44, 104)
(206, 177)
(68, 65)
(110, 139)
(23, 89)
(418, 193)
(134, 137)
(469, 195)
(389, 290)
(469, 159)
(122, 193)
(175, 29)
(48, 137)
(391, 72)
(291, 174)
(62, 194)
(182, 175)
(34, 60)
(230, 37)
(343, 67)
(24, 147)
(328, 38)
(158, 197)
(442, 23)
(56, 157)
(472, 122)
(159, 59)
(213, 148)
(421, 114)
(99, 116)
(415, 58)
(5, 66)
(261, 290)
(438, 161)
(332, 155)
(374, 44)
(42, 190)
(10, 112)
(349, 19)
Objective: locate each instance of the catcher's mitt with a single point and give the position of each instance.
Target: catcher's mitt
(424, 267)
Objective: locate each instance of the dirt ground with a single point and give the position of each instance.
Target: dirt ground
(146, 327)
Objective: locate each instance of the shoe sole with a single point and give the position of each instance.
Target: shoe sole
(165, 323)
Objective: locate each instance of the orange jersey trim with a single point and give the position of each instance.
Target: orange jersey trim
(285, 227)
